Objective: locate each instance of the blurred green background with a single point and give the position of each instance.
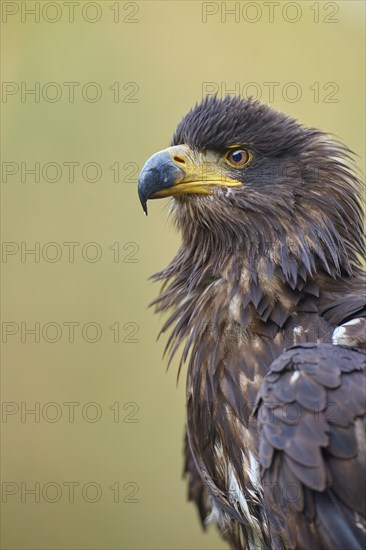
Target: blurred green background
(149, 62)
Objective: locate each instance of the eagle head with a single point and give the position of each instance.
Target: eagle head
(242, 174)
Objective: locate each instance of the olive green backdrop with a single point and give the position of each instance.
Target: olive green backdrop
(102, 451)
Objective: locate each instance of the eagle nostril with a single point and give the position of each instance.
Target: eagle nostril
(179, 160)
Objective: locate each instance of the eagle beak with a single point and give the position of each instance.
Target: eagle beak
(178, 171)
(159, 173)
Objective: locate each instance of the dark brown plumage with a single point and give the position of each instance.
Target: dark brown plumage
(272, 236)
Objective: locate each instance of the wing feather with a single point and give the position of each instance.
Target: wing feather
(311, 412)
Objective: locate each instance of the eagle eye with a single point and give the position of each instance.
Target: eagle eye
(238, 157)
